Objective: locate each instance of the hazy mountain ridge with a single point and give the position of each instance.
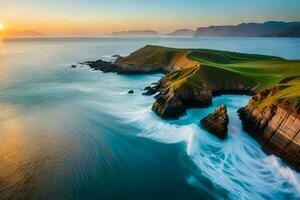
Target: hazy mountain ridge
(182, 32)
(178, 32)
(267, 29)
(135, 33)
(22, 33)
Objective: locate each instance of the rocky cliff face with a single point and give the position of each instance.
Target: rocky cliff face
(171, 103)
(195, 88)
(217, 122)
(275, 125)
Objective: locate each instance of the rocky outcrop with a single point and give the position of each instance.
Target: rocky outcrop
(104, 66)
(150, 90)
(196, 88)
(217, 122)
(172, 102)
(168, 106)
(101, 65)
(275, 124)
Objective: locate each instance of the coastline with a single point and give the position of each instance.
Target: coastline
(179, 89)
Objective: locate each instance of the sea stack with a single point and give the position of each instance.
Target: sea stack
(217, 122)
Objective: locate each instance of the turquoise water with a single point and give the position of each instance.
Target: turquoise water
(76, 134)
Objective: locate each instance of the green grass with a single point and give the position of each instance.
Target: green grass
(153, 56)
(220, 66)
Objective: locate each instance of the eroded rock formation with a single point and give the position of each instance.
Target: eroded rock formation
(217, 122)
(196, 88)
(275, 124)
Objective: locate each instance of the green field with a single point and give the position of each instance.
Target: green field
(201, 67)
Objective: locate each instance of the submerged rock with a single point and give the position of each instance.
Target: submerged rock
(130, 92)
(276, 124)
(217, 122)
(73, 66)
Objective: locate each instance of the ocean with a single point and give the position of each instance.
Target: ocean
(70, 133)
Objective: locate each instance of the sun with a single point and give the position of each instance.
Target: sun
(1, 26)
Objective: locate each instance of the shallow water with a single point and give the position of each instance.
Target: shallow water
(76, 134)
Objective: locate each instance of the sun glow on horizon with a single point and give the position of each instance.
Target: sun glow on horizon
(1, 26)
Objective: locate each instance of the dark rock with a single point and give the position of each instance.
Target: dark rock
(168, 108)
(130, 92)
(73, 66)
(104, 66)
(173, 103)
(217, 122)
(150, 90)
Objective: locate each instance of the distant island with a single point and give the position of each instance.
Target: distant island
(31, 33)
(135, 33)
(182, 32)
(179, 32)
(267, 29)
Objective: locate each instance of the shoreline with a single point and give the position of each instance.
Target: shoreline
(193, 77)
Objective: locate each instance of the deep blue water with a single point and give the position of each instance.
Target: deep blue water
(76, 134)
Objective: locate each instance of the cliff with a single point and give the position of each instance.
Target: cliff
(195, 87)
(267, 29)
(272, 116)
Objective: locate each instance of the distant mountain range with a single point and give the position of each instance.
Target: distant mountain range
(267, 29)
(180, 32)
(22, 33)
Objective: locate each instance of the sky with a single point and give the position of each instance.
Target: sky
(93, 17)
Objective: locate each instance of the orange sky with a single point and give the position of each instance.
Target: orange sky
(93, 17)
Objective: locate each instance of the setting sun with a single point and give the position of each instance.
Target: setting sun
(1, 26)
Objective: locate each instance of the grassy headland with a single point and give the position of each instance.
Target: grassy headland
(198, 68)
(194, 76)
